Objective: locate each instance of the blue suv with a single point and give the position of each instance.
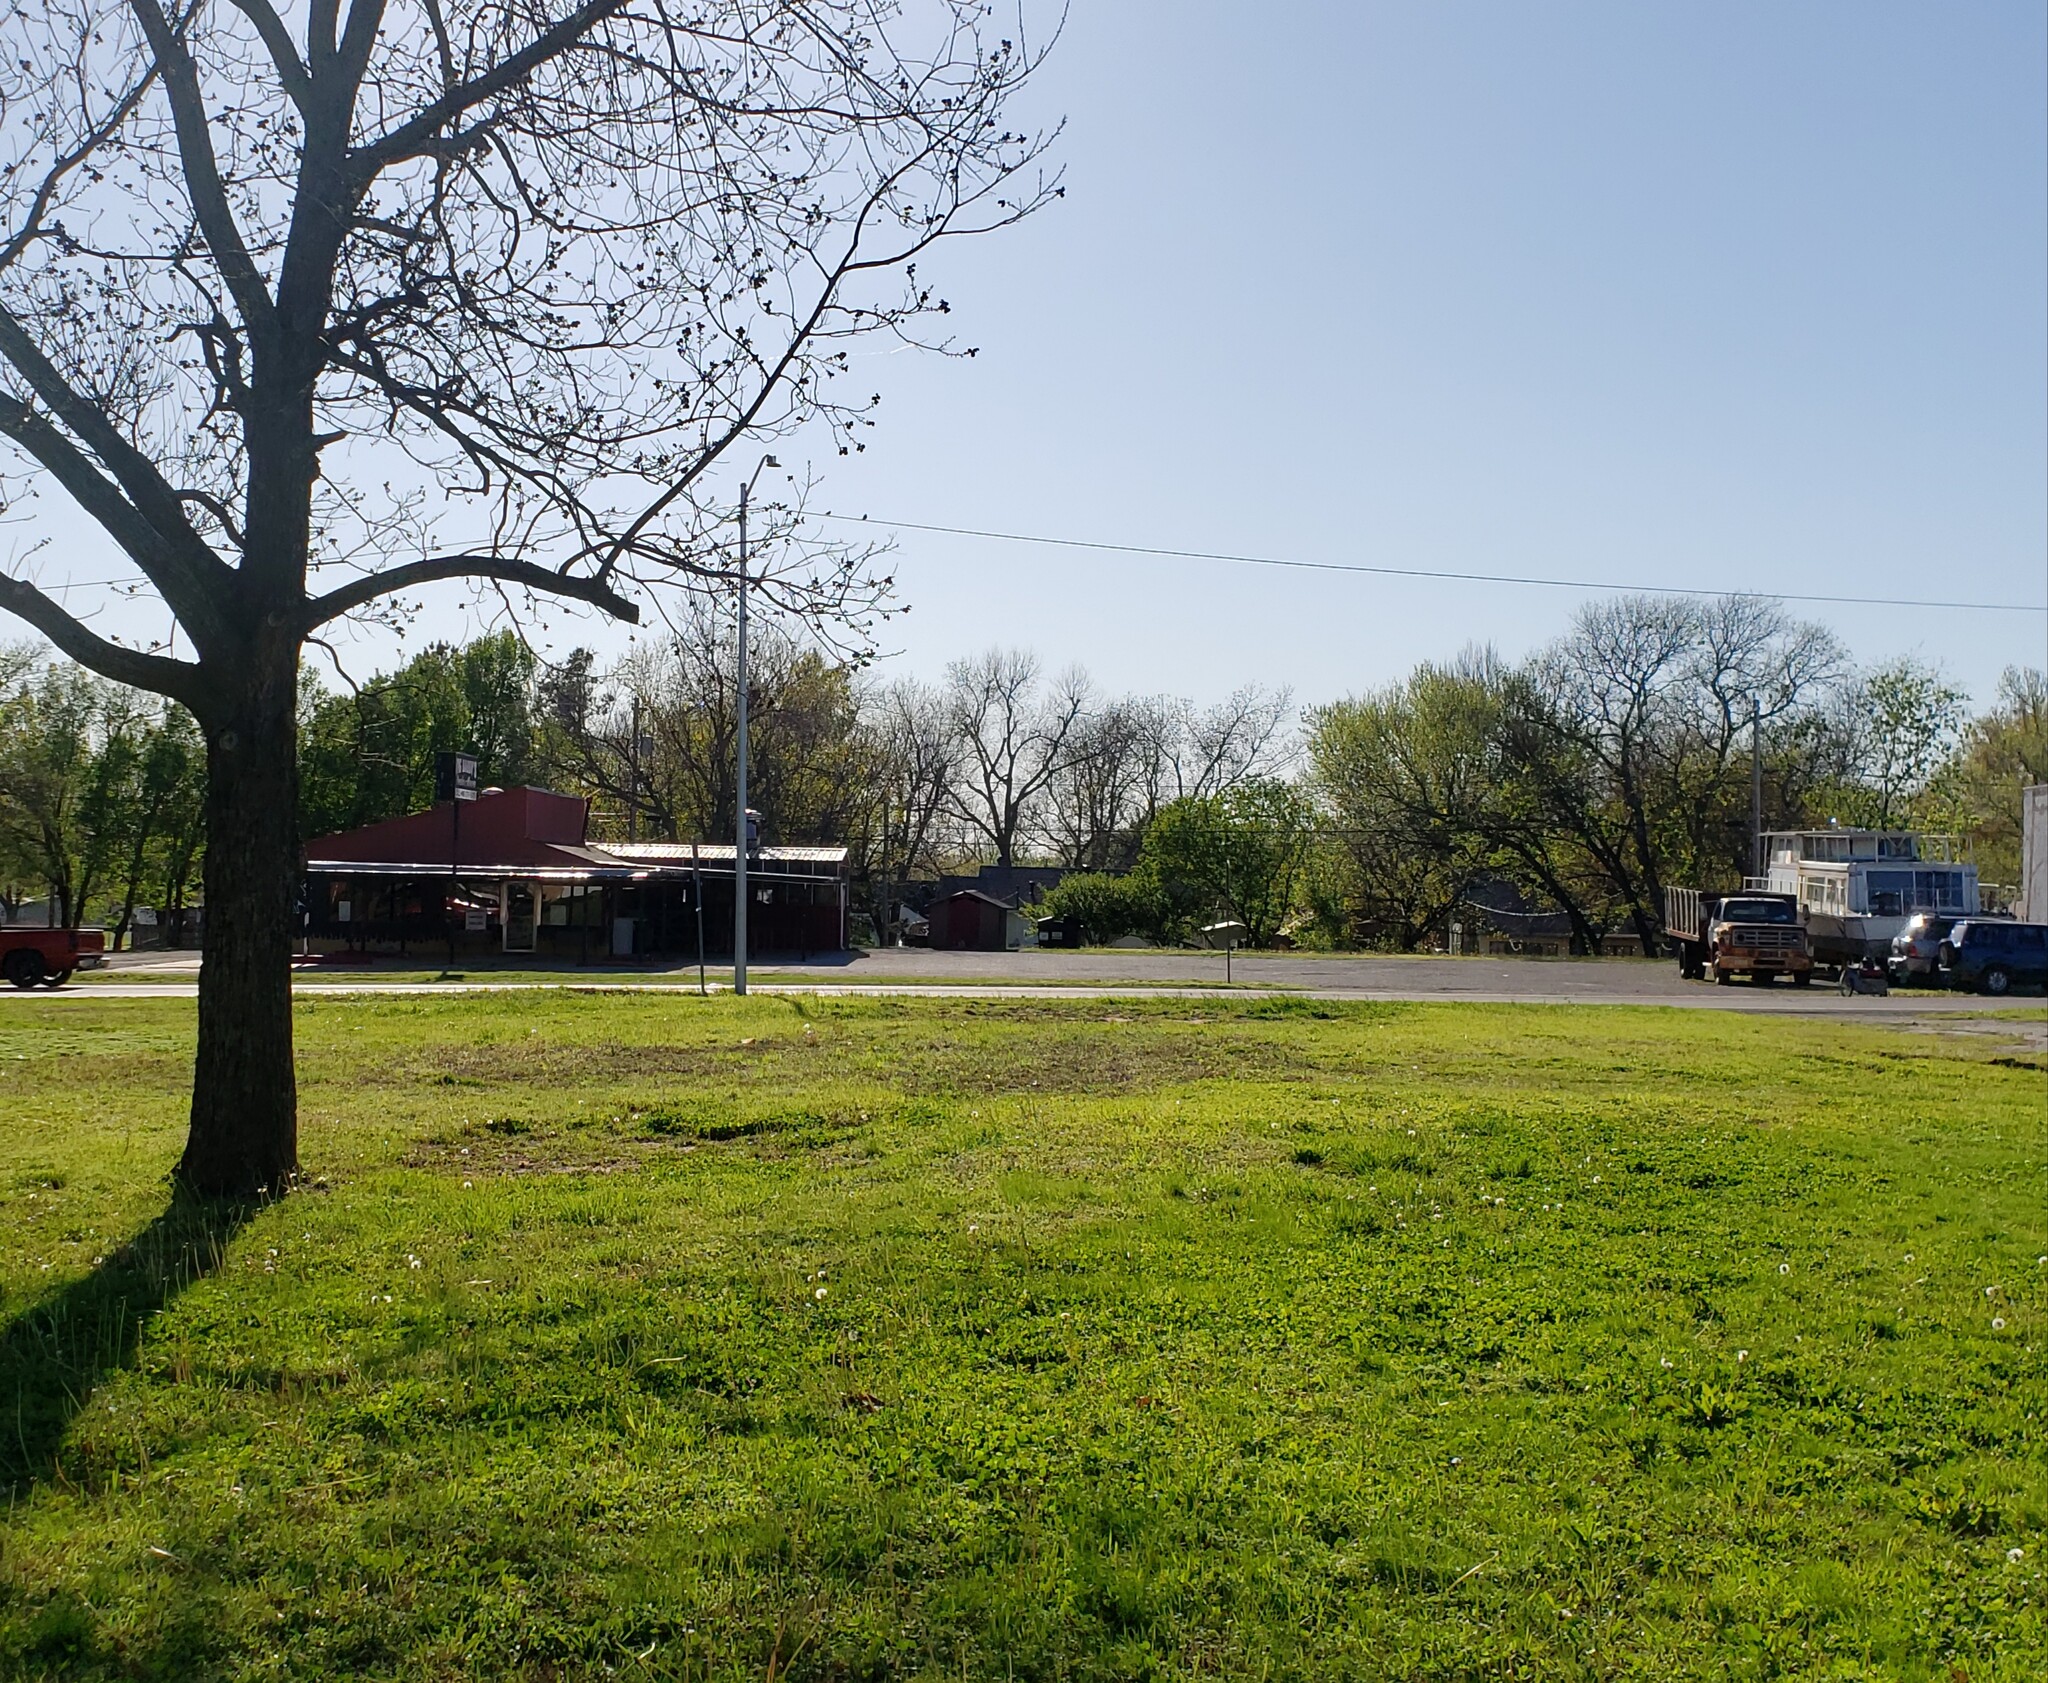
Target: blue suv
(1992, 955)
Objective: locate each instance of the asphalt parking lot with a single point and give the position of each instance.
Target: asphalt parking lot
(1541, 981)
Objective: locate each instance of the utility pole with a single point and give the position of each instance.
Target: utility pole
(1756, 787)
(697, 898)
(882, 908)
(633, 777)
(740, 836)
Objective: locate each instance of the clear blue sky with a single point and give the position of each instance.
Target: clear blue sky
(1752, 295)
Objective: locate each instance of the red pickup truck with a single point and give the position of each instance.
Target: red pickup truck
(48, 956)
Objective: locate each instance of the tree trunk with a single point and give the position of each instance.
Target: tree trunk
(245, 1132)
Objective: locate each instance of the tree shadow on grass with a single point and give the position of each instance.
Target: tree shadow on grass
(53, 1355)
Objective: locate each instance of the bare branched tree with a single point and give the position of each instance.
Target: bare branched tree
(1012, 735)
(1625, 729)
(906, 783)
(1096, 800)
(312, 308)
(660, 744)
(1193, 752)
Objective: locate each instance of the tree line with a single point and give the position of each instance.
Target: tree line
(1619, 759)
(1000, 760)
(1580, 781)
(101, 798)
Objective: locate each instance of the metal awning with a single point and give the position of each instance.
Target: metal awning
(428, 871)
(602, 868)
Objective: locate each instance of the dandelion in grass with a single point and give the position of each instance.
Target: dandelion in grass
(1998, 1323)
(819, 1294)
(2015, 1555)
(1784, 1268)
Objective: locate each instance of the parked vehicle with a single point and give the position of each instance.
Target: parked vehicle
(1751, 934)
(1916, 949)
(1995, 955)
(47, 957)
(1865, 975)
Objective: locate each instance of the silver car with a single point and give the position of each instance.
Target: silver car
(1916, 949)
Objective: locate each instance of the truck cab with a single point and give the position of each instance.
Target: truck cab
(1760, 936)
(1753, 933)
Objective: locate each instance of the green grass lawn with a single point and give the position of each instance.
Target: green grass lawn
(651, 1337)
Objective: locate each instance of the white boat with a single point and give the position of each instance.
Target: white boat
(1858, 888)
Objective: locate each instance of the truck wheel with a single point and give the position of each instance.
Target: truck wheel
(1997, 980)
(24, 968)
(56, 978)
(1725, 977)
(1802, 978)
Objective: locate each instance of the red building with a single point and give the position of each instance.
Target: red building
(971, 921)
(513, 871)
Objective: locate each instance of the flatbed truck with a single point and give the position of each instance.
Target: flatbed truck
(1746, 933)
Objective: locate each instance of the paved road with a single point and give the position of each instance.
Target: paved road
(1133, 974)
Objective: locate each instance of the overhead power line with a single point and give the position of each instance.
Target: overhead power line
(1429, 572)
(1297, 565)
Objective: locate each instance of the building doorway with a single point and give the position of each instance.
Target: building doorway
(519, 911)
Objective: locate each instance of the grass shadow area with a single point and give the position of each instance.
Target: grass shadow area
(54, 1355)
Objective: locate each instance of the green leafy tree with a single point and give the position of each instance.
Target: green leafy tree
(1896, 726)
(1239, 854)
(168, 843)
(95, 779)
(1110, 907)
(1404, 774)
(1979, 792)
(369, 754)
(48, 723)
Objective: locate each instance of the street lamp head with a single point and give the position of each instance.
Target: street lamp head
(747, 489)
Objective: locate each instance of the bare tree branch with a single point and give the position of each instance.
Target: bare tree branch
(203, 185)
(504, 569)
(284, 55)
(177, 679)
(427, 130)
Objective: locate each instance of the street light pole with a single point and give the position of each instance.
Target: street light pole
(740, 838)
(1756, 786)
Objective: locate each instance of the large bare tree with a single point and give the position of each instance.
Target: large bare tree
(1011, 735)
(310, 308)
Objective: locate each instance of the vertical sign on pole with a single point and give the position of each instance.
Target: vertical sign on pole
(454, 782)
